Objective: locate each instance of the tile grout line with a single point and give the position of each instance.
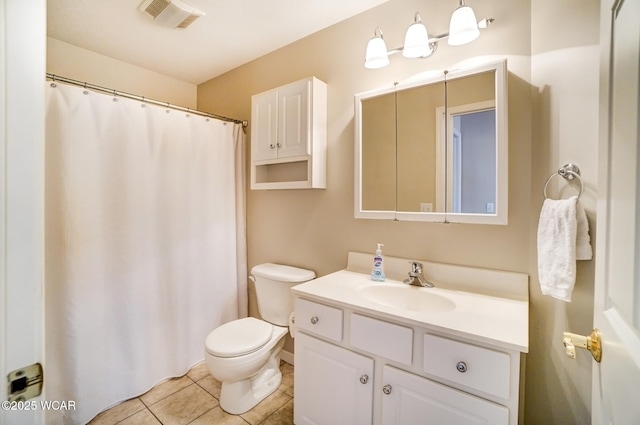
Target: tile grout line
(277, 410)
(147, 406)
(132, 414)
(167, 395)
(154, 415)
(207, 391)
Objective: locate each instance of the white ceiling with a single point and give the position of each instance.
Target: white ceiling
(232, 32)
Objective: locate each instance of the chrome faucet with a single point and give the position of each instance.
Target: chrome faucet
(415, 276)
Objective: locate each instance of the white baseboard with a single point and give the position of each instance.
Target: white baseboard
(287, 357)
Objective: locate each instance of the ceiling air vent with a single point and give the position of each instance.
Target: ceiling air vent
(170, 13)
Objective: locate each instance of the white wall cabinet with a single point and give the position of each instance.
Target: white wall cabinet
(289, 136)
(414, 375)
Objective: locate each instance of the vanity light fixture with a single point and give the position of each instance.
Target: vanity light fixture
(463, 29)
(416, 41)
(376, 56)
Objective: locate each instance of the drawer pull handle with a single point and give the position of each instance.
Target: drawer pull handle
(314, 320)
(386, 389)
(364, 379)
(462, 367)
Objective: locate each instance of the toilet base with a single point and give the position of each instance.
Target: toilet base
(241, 396)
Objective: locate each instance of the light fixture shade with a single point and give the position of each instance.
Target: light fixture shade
(463, 27)
(416, 41)
(376, 56)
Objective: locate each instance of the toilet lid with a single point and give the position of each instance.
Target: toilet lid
(239, 337)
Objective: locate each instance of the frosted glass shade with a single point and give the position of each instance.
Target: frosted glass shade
(463, 27)
(376, 56)
(416, 41)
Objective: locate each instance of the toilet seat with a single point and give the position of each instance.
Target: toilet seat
(239, 337)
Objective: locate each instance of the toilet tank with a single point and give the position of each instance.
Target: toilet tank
(273, 283)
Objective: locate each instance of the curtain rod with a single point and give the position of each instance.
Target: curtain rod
(66, 80)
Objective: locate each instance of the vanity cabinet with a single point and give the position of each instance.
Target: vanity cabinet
(412, 399)
(288, 136)
(336, 386)
(352, 368)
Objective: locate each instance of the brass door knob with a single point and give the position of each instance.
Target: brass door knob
(593, 343)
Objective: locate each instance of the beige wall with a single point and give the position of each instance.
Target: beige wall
(73, 62)
(564, 73)
(552, 60)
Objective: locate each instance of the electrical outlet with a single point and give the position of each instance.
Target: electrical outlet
(426, 207)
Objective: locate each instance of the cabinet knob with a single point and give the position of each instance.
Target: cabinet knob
(386, 389)
(462, 367)
(364, 379)
(272, 146)
(315, 320)
(279, 144)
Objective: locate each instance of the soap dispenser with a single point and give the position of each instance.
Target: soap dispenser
(377, 273)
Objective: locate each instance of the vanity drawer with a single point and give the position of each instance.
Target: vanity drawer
(319, 319)
(476, 367)
(384, 339)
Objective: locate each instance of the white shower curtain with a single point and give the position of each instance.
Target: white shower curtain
(145, 244)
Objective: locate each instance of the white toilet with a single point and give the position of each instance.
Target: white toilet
(245, 354)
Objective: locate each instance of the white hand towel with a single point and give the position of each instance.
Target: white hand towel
(583, 240)
(557, 235)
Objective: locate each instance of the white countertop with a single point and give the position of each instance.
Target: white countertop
(490, 319)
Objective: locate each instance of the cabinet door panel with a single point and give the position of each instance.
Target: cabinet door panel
(264, 126)
(293, 119)
(416, 400)
(327, 384)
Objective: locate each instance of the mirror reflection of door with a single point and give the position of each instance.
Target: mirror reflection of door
(470, 140)
(472, 152)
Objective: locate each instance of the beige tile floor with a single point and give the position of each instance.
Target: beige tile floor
(193, 399)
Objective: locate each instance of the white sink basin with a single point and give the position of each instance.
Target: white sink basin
(407, 297)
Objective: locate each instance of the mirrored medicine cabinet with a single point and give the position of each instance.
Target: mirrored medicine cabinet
(434, 149)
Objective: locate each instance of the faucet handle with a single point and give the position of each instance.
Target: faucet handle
(416, 267)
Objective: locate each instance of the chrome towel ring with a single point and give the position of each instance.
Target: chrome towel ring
(568, 172)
